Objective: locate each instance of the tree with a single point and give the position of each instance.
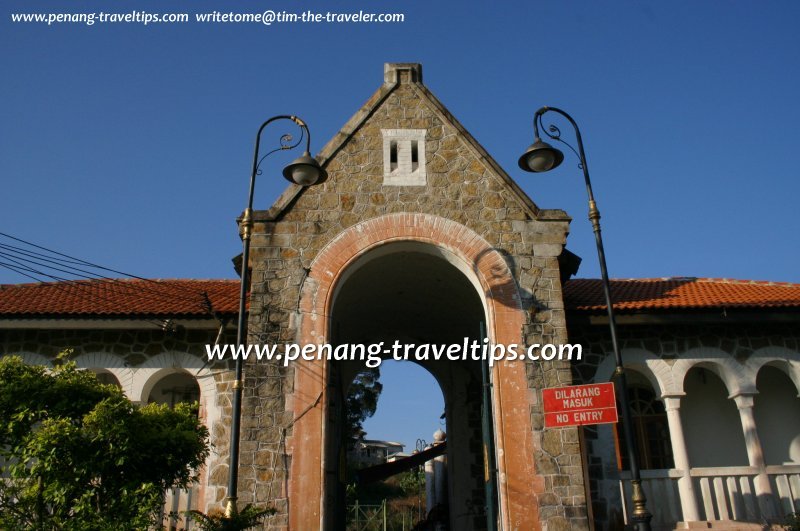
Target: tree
(412, 481)
(79, 455)
(362, 401)
(216, 520)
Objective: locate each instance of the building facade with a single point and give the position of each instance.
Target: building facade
(714, 376)
(419, 236)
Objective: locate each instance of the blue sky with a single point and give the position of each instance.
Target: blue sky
(130, 146)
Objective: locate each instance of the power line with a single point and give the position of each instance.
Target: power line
(62, 284)
(87, 263)
(140, 291)
(149, 289)
(151, 294)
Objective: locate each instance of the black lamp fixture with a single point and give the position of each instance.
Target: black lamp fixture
(541, 157)
(303, 171)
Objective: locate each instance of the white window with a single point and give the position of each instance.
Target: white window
(404, 157)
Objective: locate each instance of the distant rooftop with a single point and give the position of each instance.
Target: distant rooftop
(198, 298)
(381, 444)
(120, 298)
(680, 293)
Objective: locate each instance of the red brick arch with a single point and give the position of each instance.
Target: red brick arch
(518, 482)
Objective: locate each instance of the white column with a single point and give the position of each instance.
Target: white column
(430, 486)
(681, 457)
(755, 455)
(440, 473)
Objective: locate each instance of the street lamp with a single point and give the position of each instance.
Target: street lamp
(304, 171)
(542, 157)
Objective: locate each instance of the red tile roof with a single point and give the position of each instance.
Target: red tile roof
(121, 298)
(637, 295)
(184, 298)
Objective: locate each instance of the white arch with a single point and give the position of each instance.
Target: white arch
(738, 378)
(111, 363)
(155, 368)
(785, 359)
(152, 370)
(656, 370)
(32, 358)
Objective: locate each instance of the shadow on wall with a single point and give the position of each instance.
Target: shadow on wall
(502, 279)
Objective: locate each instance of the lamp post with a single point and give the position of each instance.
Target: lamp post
(304, 171)
(542, 157)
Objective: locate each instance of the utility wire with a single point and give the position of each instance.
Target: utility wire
(17, 251)
(35, 257)
(127, 288)
(63, 282)
(28, 252)
(87, 263)
(62, 285)
(143, 292)
(149, 289)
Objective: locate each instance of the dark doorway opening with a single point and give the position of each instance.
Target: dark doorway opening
(415, 294)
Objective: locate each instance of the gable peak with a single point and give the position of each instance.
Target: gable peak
(402, 73)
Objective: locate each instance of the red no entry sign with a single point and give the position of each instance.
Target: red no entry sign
(577, 405)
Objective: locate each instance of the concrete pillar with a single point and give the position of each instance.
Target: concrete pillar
(430, 485)
(440, 474)
(755, 455)
(680, 455)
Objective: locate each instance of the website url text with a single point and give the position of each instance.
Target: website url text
(374, 353)
(266, 18)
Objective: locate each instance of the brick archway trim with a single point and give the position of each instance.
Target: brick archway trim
(517, 480)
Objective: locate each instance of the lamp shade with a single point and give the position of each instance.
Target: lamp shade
(540, 157)
(305, 171)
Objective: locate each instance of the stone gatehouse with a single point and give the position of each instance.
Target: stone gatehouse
(417, 235)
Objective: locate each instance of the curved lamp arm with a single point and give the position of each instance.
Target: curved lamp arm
(555, 133)
(304, 171)
(541, 157)
(284, 145)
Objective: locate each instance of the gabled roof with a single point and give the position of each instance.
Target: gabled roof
(683, 293)
(412, 74)
(120, 298)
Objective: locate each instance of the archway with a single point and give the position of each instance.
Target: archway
(408, 418)
(519, 483)
(175, 388)
(777, 412)
(711, 422)
(650, 426)
(410, 294)
(106, 377)
(110, 368)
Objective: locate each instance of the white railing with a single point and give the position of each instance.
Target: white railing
(728, 493)
(723, 493)
(785, 481)
(176, 503)
(661, 490)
